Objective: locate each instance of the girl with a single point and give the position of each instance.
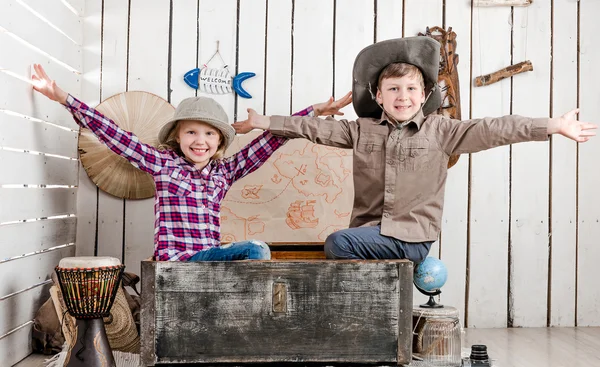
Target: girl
(190, 174)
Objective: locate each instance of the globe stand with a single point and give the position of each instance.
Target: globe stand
(431, 303)
(429, 277)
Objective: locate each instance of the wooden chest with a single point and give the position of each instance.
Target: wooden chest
(319, 311)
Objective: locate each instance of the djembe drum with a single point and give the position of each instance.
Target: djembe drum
(89, 286)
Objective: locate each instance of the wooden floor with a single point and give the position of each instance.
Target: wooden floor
(545, 347)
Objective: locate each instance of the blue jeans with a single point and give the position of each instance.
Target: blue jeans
(365, 243)
(244, 250)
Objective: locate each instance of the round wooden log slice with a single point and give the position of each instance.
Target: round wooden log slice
(141, 113)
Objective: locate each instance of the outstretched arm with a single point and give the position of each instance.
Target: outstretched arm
(255, 154)
(567, 126)
(124, 143)
(470, 136)
(327, 108)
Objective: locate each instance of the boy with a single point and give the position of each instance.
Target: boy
(401, 149)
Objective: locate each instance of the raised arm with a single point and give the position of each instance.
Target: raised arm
(124, 143)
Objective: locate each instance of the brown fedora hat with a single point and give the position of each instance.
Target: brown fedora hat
(422, 52)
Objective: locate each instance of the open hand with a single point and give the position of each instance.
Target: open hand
(46, 86)
(254, 121)
(574, 129)
(331, 107)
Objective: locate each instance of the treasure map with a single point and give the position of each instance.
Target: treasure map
(301, 194)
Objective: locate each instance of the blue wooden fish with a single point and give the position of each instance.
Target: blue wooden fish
(217, 81)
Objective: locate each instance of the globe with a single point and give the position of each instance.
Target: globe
(429, 277)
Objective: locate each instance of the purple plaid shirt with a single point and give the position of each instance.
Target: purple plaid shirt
(187, 203)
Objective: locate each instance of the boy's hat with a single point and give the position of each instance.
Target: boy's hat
(422, 52)
(202, 109)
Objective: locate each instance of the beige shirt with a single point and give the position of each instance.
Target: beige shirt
(400, 172)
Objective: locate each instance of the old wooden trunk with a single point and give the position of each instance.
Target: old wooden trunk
(277, 311)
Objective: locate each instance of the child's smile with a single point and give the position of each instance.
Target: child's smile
(401, 97)
(198, 141)
(199, 151)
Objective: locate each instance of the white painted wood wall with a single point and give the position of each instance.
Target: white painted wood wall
(38, 160)
(520, 223)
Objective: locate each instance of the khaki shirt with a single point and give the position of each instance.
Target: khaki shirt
(400, 173)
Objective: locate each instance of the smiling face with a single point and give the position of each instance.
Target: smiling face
(198, 141)
(401, 91)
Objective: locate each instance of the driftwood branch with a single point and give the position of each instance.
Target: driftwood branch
(507, 72)
(502, 2)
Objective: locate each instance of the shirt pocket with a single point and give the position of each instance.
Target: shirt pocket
(180, 183)
(370, 151)
(217, 188)
(414, 154)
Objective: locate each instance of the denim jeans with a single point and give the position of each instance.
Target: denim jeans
(244, 250)
(364, 243)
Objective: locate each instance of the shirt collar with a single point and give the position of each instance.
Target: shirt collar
(192, 168)
(417, 119)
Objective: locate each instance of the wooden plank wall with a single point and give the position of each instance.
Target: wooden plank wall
(520, 223)
(38, 160)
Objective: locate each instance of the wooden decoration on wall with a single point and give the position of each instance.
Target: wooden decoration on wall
(141, 113)
(507, 72)
(448, 75)
(502, 2)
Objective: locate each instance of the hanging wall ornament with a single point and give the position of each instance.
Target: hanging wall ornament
(448, 75)
(504, 73)
(217, 80)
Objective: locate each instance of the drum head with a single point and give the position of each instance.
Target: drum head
(88, 262)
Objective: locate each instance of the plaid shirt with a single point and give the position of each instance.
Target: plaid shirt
(187, 203)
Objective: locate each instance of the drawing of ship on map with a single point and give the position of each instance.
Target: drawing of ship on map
(300, 215)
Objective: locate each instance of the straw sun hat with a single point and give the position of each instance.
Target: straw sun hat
(141, 113)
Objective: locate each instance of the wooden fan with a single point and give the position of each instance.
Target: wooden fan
(141, 113)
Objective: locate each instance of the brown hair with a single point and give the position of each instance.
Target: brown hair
(398, 70)
(172, 144)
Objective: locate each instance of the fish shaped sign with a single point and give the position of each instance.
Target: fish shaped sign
(217, 81)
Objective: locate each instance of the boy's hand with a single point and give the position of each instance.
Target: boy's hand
(331, 107)
(43, 84)
(254, 121)
(567, 126)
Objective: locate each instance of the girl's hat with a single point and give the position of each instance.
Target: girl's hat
(422, 52)
(202, 109)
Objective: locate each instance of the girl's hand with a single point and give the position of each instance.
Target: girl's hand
(46, 86)
(331, 107)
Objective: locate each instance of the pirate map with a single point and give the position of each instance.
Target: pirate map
(301, 194)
